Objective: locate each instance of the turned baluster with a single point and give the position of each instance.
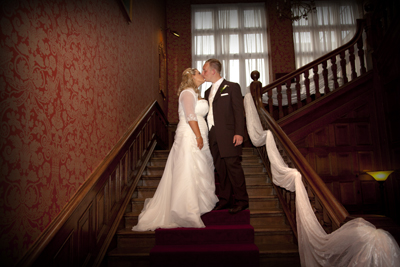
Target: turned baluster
(270, 103)
(289, 96)
(343, 66)
(279, 89)
(325, 75)
(334, 72)
(293, 203)
(361, 55)
(299, 104)
(307, 84)
(352, 59)
(316, 82)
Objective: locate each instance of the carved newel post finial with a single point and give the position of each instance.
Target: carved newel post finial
(255, 75)
(255, 88)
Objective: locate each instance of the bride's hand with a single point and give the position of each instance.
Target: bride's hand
(200, 142)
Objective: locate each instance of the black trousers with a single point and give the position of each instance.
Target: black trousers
(231, 175)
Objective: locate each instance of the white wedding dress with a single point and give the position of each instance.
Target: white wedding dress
(187, 187)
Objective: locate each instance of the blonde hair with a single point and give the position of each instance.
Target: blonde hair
(187, 81)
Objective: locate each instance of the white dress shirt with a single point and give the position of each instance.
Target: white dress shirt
(210, 116)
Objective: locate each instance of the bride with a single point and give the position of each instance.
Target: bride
(187, 187)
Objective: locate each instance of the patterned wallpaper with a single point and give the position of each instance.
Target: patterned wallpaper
(179, 49)
(74, 75)
(280, 35)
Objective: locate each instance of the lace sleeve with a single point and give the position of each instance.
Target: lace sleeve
(188, 102)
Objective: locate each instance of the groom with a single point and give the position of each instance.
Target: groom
(226, 130)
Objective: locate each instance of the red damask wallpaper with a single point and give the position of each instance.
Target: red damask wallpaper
(74, 75)
(280, 37)
(179, 51)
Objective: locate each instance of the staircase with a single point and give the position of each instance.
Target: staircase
(272, 235)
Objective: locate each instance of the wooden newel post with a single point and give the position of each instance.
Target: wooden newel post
(255, 88)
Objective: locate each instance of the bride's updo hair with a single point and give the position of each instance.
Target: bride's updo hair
(187, 81)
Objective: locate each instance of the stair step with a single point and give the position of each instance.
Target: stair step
(131, 218)
(126, 257)
(223, 217)
(282, 249)
(278, 235)
(157, 162)
(160, 153)
(149, 180)
(154, 170)
(213, 234)
(260, 189)
(261, 178)
(205, 255)
(282, 255)
(137, 205)
(267, 217)
(142, 241)
(251, 168)
(215, 217)
(249, 151)
(250, 159)
(264, 202)
(144, 191)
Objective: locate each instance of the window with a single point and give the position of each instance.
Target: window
(235, 34)
(333, 25)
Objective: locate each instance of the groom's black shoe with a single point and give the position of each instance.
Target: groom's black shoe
(221, 207)
(237, 208)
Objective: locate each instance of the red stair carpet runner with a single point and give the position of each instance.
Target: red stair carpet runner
(227, 240)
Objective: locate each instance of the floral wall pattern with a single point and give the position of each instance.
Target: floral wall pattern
(74, 75)
(179, 51)
(280, 35)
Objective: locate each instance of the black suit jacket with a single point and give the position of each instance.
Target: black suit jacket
(228, 114)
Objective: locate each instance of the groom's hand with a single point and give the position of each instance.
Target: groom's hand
(237, 140)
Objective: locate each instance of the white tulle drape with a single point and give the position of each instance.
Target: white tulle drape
(356, 243)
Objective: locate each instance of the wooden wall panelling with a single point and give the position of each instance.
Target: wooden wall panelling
(323, 163)
(101, 214)
(348, 192)
(365, 161)
(85, 232)
(65, 253)
(342, 134)
(321, 137)
(112, 192)
(345, 163)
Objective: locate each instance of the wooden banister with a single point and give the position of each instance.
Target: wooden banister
(320, 77)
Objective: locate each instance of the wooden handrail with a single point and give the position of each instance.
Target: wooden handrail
(314, 66)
